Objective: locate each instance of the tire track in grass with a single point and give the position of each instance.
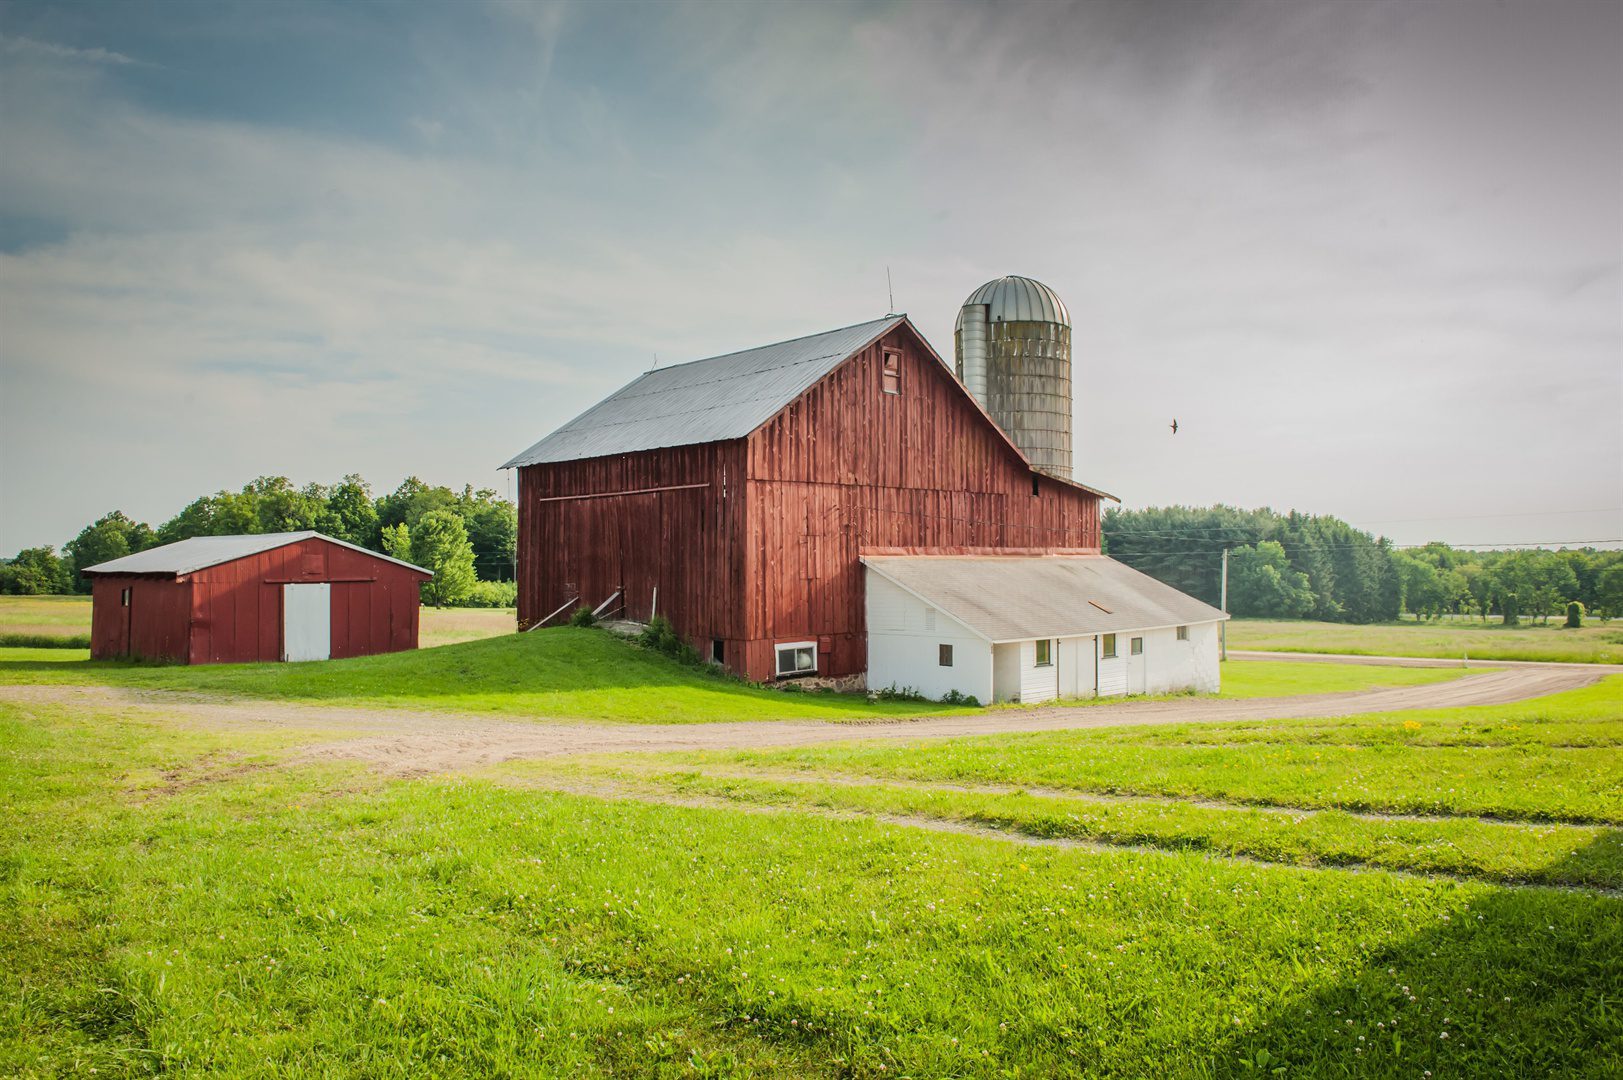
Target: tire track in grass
(1601, 875)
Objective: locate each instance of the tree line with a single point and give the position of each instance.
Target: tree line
(1320, 567)
(468, 538)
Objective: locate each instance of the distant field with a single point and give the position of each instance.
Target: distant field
(69, 617)
(1591, 643)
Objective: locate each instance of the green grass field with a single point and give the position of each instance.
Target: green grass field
(1592, 643)
(198, 902)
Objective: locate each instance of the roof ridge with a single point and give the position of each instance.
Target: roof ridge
(775, 344)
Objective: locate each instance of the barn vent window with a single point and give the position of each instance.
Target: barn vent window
(1107, 647)
(1138, 646)
(945, 655)
(1034, 490)
(797, 658)
(1183, 633)
(1045, 653)
(890, 379)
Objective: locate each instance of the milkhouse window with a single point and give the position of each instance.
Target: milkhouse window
(1138, 646)
(890, 379)
(945, 655)
(1045, 653)
(797, 658)
(1183, 633)
(1107, 647)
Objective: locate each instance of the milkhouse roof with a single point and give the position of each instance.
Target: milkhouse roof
(1019, 598)
(201, 552)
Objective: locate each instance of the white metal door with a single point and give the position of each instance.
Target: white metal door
(307, 622)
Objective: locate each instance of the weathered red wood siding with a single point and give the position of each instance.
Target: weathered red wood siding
(232, 613)
(848, 467)
(669, 519)
(151, 627)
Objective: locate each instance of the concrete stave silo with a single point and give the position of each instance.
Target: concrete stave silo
(1012, 350)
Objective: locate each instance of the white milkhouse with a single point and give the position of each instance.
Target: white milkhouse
(1033, 628)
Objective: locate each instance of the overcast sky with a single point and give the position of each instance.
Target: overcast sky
(1367, 254)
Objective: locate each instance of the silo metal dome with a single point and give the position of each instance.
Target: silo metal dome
(1012, 346)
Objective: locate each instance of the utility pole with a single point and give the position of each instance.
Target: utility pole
(1223, 627)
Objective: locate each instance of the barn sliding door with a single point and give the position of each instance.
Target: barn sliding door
(306, 622)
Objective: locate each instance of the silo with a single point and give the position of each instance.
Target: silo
(1012, 347)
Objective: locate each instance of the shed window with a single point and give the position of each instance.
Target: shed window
(124, 598)
(1138, 646)
(945, 655)
(1045, 653)
(797, 658)
(890, 380)
(1107, 647)
(1183, 633)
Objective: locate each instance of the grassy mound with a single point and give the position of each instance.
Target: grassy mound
(562, 673)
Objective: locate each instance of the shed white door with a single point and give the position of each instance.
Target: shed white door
(306, 622)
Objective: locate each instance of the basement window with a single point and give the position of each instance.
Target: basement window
(797, 658)
(1107, 647)
(945, 655)
(1183, 633)
(1138, 646)
(890, 379)
(1045, 653)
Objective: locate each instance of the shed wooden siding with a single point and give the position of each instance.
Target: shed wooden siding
(671, 519)
(848, 467)
(766, 547)
(232, 612)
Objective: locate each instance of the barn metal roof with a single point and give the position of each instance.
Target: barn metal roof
(1017, 299)
(200, 552)
(1021, 598)
(723, 397)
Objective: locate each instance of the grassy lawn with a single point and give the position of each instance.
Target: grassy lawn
(1465, 762)
(560, 673)
(1283, 678)
(1591, 643)
(68, 617)
(188, 902)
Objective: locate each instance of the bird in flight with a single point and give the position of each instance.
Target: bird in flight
(1174, 426)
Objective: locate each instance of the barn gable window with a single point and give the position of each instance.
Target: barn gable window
(1107, 647)
(890, 378)
(1045, 653)
(797, 658)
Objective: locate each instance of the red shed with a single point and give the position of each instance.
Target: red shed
(736, 495)
(271, 596)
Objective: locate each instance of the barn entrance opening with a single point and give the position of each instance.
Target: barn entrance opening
(307, 622)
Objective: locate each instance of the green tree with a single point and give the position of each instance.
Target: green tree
(492, 529)
(280, 507)
(396, 540)
(350, 513)
(408, 503)
(1262, 583)
(36, 571)
(111, 536)
(439, 542)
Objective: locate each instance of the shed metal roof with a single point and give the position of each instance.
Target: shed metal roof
(201, 552)
(1021, 598)
(720, 398)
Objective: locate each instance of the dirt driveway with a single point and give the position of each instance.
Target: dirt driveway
(404, 742)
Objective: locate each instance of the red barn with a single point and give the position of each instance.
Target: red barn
(272, 596)
(737, 495)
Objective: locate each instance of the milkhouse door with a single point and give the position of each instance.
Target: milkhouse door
(307, 622)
